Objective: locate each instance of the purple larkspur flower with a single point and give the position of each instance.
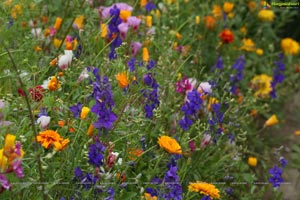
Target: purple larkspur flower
(283, 161)
(131, 64)
(95, 154)
(76, 109)
(150, 6)
(276, 178)
(238, 66)
(278, 76)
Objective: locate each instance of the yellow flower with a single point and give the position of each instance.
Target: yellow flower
(57, 42)
(143, 2)
(297, 132)
(262, 85)
(178, 36)
(204, 188)
(148, 196)
(248, 45)
(79, 22)
(266, 15)
(16, 10)
(217, 12)
(57, 24)
(271, 121)
(124, 14)
(211, 101)
(228, 7)
(122, 79)
(50, 137)
(53, 84)
(251, 6)
(145, 54)
(230, 15)
(197, 20)
(289, 46)
(259, 52)
(103, 30)
(169, 144)
(84, 111)
(243, 30)
(149, 21)
(252, 161)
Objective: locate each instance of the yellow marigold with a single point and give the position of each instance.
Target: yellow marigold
(266, 15)
(271, 121)
(252, 161)
(217, 12)
(290, 46)
(122, 79)
(78, 22)
(169, 144)
(57, 24)
(53, 84)
(262, 85)
(204, 188)
(228, 7)
(149, 21)
(124, 14)
(84, 112)
(248, 45)
(197, 20)
(50, 137)
(145, 54)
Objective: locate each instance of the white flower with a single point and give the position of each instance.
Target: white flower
(43, 121)
(205, 87)
(37, 33)
(65, 60)
(83, 75)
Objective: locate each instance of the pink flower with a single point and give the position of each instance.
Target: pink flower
(4, 182)
(134, 22)
(135, 48)
(65, 60)
(123, 28)
(17, 167)
(205, 140)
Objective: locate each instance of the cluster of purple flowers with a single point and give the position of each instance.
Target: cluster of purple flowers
(219, 64)
(87, 181)
(151, 95)
(276, 173)
(172, 188)
(76, 109)
(217, 119)
(114, 33)
(238, 66)
(150, 6)
(95, 154)
(190, 108)
(278, 75)
(104, 102)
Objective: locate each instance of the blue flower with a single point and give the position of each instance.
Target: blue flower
(86, 180)
(76, 109)
(131, 64)
(278, 75)
(238, 66)
(151, 64)
(276, 178)
(150, 6)
(283, 162)
(114, 33)
(95, 154)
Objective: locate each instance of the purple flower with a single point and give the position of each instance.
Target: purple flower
(95, 154)
(17, 167)
(238, 66)
(111, 192)
(185, 123)
(76, 109)
(135, 48)
(206, 198)
(278, 75)
(276, 178)
(151, 64)
(283, 162)
(131, 64)
(219, 64)
(150, 6)
(4, 182)
(229, 191)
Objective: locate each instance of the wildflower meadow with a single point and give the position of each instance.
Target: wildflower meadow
(149, 99)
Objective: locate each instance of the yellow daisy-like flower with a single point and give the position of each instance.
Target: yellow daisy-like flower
(248, 45)
(204, 188)
(266, 15)
(290, 46)
(169, 144)
(122, 79)
(228, 7)
(252, 161)
(271, 121)
(262, 85)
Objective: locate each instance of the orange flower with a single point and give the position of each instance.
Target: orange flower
(145, 54)
(143, 2)
(252, 161)
(149, 21)
(53, 84)
(217, 12)
(204, 188)
(79, 22)
(122, 79)
(210, 22)
(90, 130)
(134, 153)
(297, 132)
(271, 121)
(169, 144)
(50, 137)
(57, 24)
(228, 7)
(61, 123)
(226, 36)
(124, 14)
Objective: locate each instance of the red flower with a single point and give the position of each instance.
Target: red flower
(226, 36)
(37, 93)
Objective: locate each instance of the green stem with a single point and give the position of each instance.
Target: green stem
(31, 119)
